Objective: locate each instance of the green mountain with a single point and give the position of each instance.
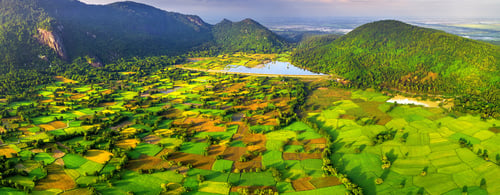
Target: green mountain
(35, 32)
(396, 55)
(247, 36)
(125, 29)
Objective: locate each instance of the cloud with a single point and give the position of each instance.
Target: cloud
(238, 9)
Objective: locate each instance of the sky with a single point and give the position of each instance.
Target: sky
(215, 10)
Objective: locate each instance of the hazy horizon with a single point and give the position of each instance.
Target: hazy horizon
(215, 10)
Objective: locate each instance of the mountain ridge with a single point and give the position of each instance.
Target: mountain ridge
(107, 33)
(393, 54)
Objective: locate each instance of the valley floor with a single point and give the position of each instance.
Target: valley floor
(194, 132)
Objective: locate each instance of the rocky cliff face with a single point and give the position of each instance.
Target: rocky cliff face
(53, 40)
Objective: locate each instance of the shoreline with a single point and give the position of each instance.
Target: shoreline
(256, 74)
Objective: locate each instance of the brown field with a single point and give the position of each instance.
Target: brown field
(79, 191)
(235, 88)
(303, 184)
(123, 124)
(47, 101)
(151, 139)
(324, 97)
(173, 113)
(47, 127)
(37, 151)
(250, 164)
(64, 79)
(303, 156)
(58, 154)
(203, 124)
(323, 182)
(234, 153)
(494, 129)
(255, 139)
(198, 161)
(124, 144)
(58, 124)
(267, 119)
(77, 96)
(215, 150)
(99, 156)
(310, 147)
(147, 162)
(128, 131)
(290, 156)
(7, 151)
(2, 130)
(107, 104)
(371, 108)
(59, 162)
(107, 92)
(56, 178)
(257, 148)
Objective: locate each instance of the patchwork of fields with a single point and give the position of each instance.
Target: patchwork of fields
(188, 132)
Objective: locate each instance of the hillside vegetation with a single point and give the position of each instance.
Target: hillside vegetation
(247, 35)
(393, 54)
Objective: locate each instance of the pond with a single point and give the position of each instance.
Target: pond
(407, 101)
(276, 67)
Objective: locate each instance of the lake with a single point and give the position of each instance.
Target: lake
(276, 67)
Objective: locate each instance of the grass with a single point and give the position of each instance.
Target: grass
(193, 148)
(10, 191)
(214, 187)
(257, 179)
(222, 165)
(272, 159)
(148, 149)
(73, 161)
(89, 168)
(46, 158)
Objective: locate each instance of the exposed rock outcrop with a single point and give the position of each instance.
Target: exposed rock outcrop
(53, 40)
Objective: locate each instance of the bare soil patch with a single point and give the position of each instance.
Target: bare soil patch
(56, 178)
(99, 156)
(234, 153)
(145, 162)
(215, 150)
(77, 96)
(7, 152)
(303, 184)
(251, 164)
(124, 144)
(151, 139)
(255, 139)
(494, 129)
(64, 79)
(198, 161)
(58, 124)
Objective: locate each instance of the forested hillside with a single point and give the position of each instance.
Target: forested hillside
(396, 55)
(19, 47)
(247, 36)
(125, 29)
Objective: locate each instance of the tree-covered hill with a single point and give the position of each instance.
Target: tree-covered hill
(246, 36)
(397, 55)
(124, 29)
(37, 31)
